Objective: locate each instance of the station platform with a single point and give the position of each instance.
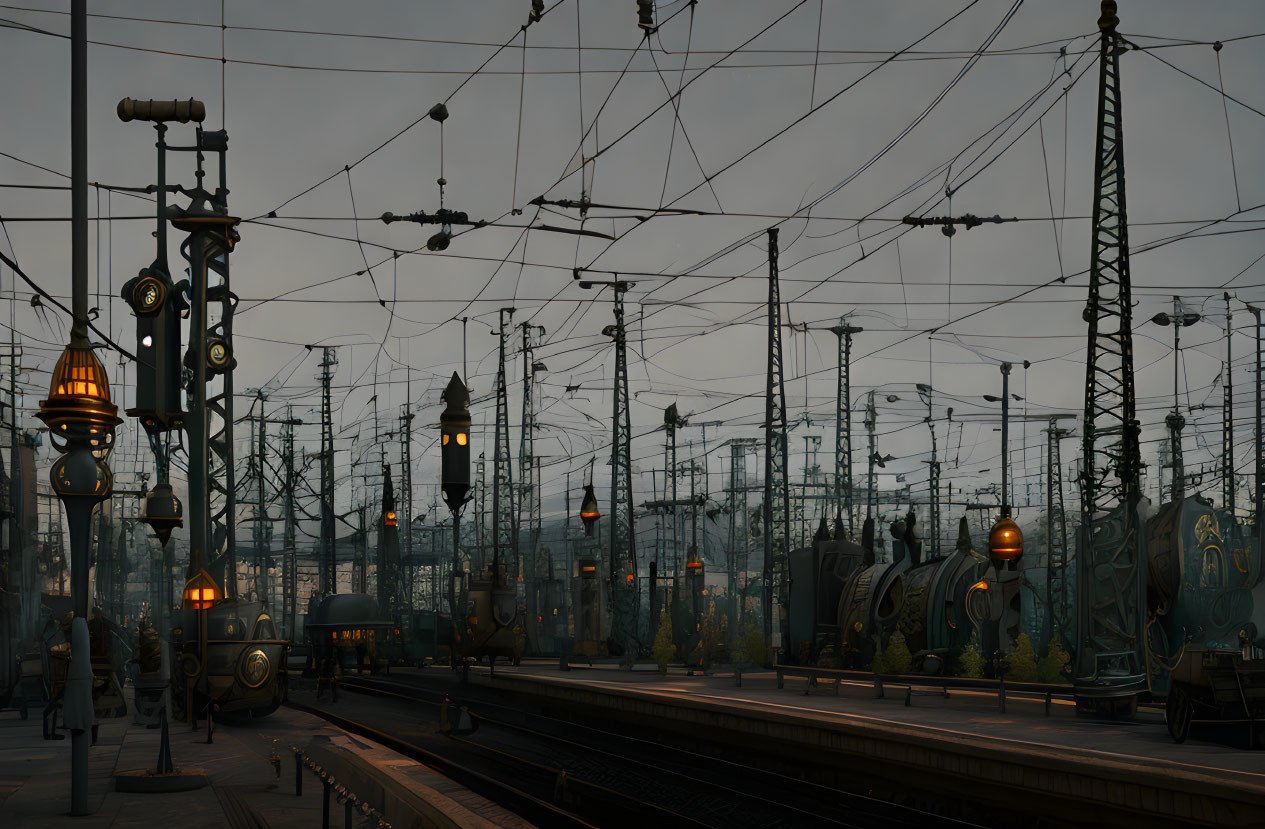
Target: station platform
(1073, 769)
(244, 788)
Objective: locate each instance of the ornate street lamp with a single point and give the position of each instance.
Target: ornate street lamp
(81, 421)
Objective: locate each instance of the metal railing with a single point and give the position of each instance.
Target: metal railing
(910, 682)
(330, 786)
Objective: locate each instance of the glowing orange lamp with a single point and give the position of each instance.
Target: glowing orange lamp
(201, 592)
(1005, 540)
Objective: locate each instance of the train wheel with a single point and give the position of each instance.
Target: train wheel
(1178, 713)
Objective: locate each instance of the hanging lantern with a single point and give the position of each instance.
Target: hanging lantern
(1005, 540)
(588, 568)
(454, 450)
(201, 592)
(588, 510)
(389, 519)
(163, 511)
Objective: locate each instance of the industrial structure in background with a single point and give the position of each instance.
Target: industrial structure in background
(1160, 603)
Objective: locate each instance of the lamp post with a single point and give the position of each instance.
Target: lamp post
(454, 427)
(1005, 540)
(81, 421)
(1175, 422)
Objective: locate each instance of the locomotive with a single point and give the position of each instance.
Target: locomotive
(845, 601)
(244, 674)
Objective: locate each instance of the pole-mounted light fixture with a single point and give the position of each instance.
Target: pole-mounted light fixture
(589, 512)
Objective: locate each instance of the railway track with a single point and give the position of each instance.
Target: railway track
(611, 779)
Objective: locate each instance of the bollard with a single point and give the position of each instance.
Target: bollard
(1001, 691)
(909, 693)
(878, 686)
(298, 774)
(738, 677)
(325, 805)
(779, 680)
(1048, 703)
(837, 686)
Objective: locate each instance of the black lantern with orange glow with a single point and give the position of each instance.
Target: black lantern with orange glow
(454, 450)
(389, 519)
(589, 513)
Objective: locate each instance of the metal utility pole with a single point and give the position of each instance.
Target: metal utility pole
(871, 422)
(329, 560)
(1175, 421)
(481, 512)
(290, 581)
(529, 491)
(843, 429)
(503, 516)
(624, 591)
(1058, 596)
(1110, 569)
(406, 501)
(1227, 417)
(739, 528)
(777, 500)
(671, 422)
(1258, 490)
(623, 551)
(263, 556)
(1005, 440)
(933, 478)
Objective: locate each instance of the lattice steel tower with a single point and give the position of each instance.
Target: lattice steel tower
(777, 496)
(623, 569)
(843, 428)
(1109, 563)
(1058, 597)
(503, 517)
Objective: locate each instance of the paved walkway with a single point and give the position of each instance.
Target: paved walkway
(245, 791)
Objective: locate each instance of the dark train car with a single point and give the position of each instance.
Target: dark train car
(1205, 654)
(491, 626)
(350, 628)
(819, 575)
(244, 676)
(841, 599)
(428, 638)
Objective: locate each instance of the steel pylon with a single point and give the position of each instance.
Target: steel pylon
(504, 533)
(1109, 582)
(623, 565)
(843, 429)
(777, 496)
(1057, 590)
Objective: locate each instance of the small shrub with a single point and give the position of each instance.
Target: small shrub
(663, 650)
(1021, 663)
(1050, 667)
(971, 663)
(896, 657)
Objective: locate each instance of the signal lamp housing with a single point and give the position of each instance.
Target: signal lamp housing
(454, 450)
(163, 511)
(1005, 541)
